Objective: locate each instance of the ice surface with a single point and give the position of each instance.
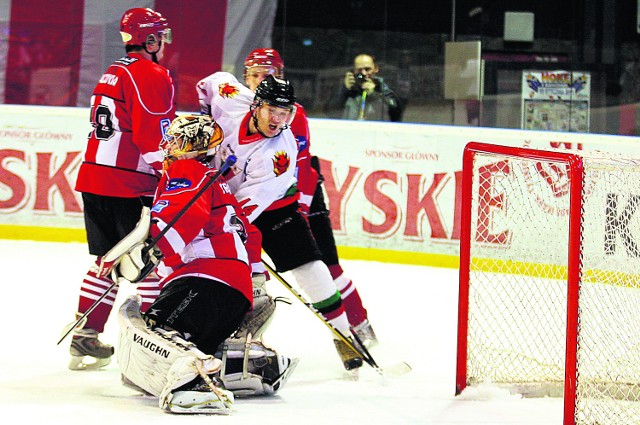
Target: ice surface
(413, 310)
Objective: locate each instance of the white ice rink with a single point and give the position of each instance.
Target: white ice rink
(413, 310)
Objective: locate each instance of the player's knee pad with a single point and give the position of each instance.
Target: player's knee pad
(315, 280)
(157, 361)
(250, 368)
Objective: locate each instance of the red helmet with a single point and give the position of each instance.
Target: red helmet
(265, 57)
(143, 25)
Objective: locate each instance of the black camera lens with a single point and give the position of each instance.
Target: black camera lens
(360, 77)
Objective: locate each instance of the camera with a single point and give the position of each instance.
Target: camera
(360, 78)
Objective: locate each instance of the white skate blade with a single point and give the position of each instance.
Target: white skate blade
(353, 374)
(198, 402)
(285, 375)
(87, 363)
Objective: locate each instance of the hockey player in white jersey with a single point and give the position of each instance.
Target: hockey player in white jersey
(257, 132)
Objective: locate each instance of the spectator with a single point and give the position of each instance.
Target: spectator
(366, 96)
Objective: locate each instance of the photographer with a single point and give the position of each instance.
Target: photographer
(366, 96)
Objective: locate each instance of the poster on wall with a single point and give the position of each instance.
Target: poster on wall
(556, 100)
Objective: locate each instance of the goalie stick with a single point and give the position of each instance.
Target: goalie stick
(228, 163)
(399, 369)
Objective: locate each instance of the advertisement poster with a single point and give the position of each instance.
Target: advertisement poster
(393, 189)
(556, 100)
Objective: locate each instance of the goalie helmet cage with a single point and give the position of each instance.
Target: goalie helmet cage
(549, 299)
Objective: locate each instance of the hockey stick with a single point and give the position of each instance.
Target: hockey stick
(362, 351)
(83, 319)
(228, 163)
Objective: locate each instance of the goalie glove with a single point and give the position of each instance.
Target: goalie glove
(136, 264)
(130, 250)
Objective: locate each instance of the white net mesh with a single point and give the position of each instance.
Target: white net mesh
(518, 281)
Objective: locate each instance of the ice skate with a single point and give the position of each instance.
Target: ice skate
(365, 334)
(251, 368)
(201, 397)
(88, 352)
(351, 359)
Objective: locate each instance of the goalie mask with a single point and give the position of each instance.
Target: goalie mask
(191, 137)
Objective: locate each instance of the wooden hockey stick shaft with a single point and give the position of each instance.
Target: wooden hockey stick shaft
(228, 163)
(364, 352)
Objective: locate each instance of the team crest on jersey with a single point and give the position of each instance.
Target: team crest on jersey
(281, 163)
(165, 123)
(302, 143)
(228, 90)
(179, 183)
(159, 206)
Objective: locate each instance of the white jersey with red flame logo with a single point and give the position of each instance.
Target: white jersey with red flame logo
(264, 174)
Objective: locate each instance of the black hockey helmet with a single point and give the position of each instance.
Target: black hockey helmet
(276, 92)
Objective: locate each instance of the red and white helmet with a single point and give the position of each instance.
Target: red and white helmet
(267, 58)
(143, 25)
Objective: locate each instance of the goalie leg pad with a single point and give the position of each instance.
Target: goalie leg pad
(257, 320)
(161, 363)
(202, 395)
(251, 369)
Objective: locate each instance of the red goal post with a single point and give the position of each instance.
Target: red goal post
(549, 278)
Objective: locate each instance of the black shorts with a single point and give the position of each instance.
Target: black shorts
(320, 223)
(287, 238)
(208, 310)
(108, 219)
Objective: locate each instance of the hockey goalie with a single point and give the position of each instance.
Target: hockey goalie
(206, 289)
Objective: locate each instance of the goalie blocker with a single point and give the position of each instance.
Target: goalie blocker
(131, 259)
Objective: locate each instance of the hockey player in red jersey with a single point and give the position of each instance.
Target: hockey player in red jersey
(131, 107)
(264, 181)
(257, 65)
(205, 287)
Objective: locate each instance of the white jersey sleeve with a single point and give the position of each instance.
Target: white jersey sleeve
(221, 94)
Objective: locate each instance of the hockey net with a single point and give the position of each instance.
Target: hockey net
(550, 278)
